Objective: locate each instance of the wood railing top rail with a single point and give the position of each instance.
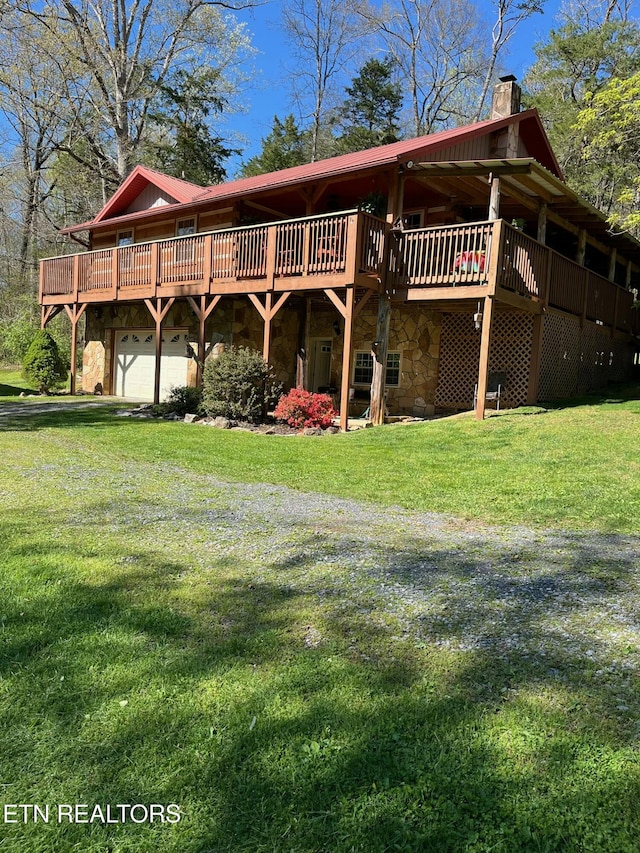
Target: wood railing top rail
(233, 230)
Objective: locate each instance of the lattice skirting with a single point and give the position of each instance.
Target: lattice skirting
(576, 361)
(510, 353)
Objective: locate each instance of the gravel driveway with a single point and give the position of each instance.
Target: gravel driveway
(566, 598)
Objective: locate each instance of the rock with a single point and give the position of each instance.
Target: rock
(22, 394)
(241, 429)
(269, 431)
(221, 423)
(332, 430)
(123, 413)
(190, 419)
(172, 417)
(312, 431)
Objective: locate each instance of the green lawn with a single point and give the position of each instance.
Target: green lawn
(160, 644)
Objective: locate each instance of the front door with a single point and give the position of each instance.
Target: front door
(320, 366)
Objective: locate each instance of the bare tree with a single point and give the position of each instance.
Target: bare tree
(125, 50)
(35, 119)
(325, 36)
(509, 15)
(434, 43)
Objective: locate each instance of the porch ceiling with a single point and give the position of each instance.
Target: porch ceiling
(528, 184)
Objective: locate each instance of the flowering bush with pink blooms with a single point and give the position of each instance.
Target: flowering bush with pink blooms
(301, 409)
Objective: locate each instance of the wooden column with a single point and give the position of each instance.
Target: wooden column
(542, 223)
(268, 311)
(74, 312)
(158, 311)
(612, 264)
(483, 370)
(380, 349)
(304, 328)
(202, 312)
(494, 198)
(582, 247)
(379, 352)
(346, 361)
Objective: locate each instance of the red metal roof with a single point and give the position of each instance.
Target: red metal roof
(531, 132)
(138, 180)
(397, 152)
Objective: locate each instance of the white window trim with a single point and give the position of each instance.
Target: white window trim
(124, 231)
(185, 219)
(367, 384)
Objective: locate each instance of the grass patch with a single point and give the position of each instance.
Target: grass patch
(167, 638)
(573, 466)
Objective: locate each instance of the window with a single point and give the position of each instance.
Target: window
(125, 238)
(185, 227)
(363, 369)
(413, 219)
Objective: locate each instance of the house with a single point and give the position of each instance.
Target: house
(413, 272)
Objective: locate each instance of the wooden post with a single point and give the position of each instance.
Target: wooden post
(485, 344)
(381, 347)
(346, 361)
(379, 352)
(266, 338)
(542, 223)
(303, 342)
(494, 198)
(202, 312)
(582, 247)
(74, 312)
(158, 312)
(158, 364)
(612, 264)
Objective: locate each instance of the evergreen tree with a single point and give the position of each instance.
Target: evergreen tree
(183, 143)
(43, 364)
(370, 114)
(284, 147)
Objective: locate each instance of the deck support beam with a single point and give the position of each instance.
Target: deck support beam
(158, 311)
(202, 312)
(302, 352)
(48, 312)
(74, 312)
(268, 311)
(494, 198)
(346, 360)
(485, 345)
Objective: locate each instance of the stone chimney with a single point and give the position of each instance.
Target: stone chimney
(505, 103)
(506, 97)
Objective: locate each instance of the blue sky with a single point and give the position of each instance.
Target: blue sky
(269, 94)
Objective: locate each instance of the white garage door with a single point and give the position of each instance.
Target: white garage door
(136, 359)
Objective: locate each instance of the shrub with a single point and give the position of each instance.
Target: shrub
(182, 399)
(303, 409)
(43, 365)
(238, 384)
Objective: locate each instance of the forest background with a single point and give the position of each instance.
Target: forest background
(90, 88)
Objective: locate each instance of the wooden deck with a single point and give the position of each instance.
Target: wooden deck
(347, 249)
(335, 250)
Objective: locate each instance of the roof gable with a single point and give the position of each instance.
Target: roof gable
(145, 189)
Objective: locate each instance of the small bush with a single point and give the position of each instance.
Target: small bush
(43, 365)
(301, 409)
(238, 384)
(182, 399)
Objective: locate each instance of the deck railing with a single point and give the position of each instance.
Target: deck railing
(314, 246)
(457, 254)
(338, 248)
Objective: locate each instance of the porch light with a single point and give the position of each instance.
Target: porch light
(336, 328)
(477, 318)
